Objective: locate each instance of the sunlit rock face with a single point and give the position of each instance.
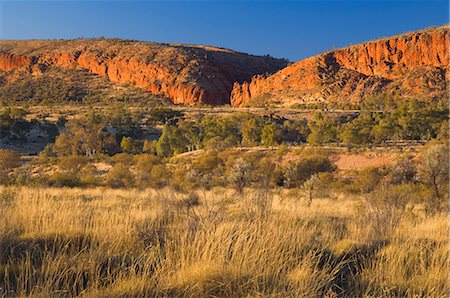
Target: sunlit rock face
(408, 65)
(185, 74)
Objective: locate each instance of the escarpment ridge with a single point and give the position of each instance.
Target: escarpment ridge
(414, 64)
(185, 74)
(411, 65)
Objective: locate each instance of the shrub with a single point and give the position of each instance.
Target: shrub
(149, 147)
(64, 179)
(294, 174)
(8, 197)
(264, 173)
(160, 176)
(270, 135)
(368, 179)
(219, 144)
(123, 158)
(144, 166)
(119, 176)
(72, 164)
(206, 171)
(281, 150)
(251, 132)
(131, 146)
(88, 176)
(323, 129)
(402, 171)
(47, 153)
(433, 169)
(9, 159)
(383, 210)
(239, 173)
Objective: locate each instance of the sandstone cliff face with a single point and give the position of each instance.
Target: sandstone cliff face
(184, 74)
(408, 65)
(11, 61)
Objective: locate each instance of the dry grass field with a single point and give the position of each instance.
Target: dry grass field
(128, 243)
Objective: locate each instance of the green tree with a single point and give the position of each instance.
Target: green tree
(126, 144)
(193, 134)
(85, 136)
(10, 116)
(177, 140)
(225, 128)
(294, 131)
(149, 147)
(163, 148)
(323, 129)
(131, 146)
(269, 135)
(251, 132)
(386, 129)
(358, 131)
(295, 173)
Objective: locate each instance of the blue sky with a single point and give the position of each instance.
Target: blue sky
(289, 29)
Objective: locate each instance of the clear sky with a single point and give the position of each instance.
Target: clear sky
(289, 29)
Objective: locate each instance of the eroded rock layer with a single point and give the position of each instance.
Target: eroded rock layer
(408, 65)
(184, 74)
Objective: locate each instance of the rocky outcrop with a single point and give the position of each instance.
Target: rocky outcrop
(11, 61)
(412, 64)
(184, 74)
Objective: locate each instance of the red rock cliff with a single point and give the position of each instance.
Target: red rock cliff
(182, 73)
(412, 64)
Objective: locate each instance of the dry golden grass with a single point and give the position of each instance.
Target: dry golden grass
(117, 243)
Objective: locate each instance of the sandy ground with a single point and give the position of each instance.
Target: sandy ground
(343, 160)
(356, 161)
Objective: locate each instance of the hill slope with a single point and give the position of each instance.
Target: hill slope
(407, 65)
(182, 73)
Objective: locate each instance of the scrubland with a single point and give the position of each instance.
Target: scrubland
(100, 242)
(125, 202)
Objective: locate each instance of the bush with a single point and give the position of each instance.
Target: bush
(9, 159)
(123, 158)
(119, 176)
(206, 171)
(64, 179)
(433, 169)
(160, 176)
(88, 176)
(8, 197)
(144, 166)
(47, 153)
(368, 179)
(72, 164)
(383, 210)
(402, 171)
(294, 174)
(239, 171)
(131, 146)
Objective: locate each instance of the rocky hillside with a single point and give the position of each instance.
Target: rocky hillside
(408, 65)
(183, 73)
